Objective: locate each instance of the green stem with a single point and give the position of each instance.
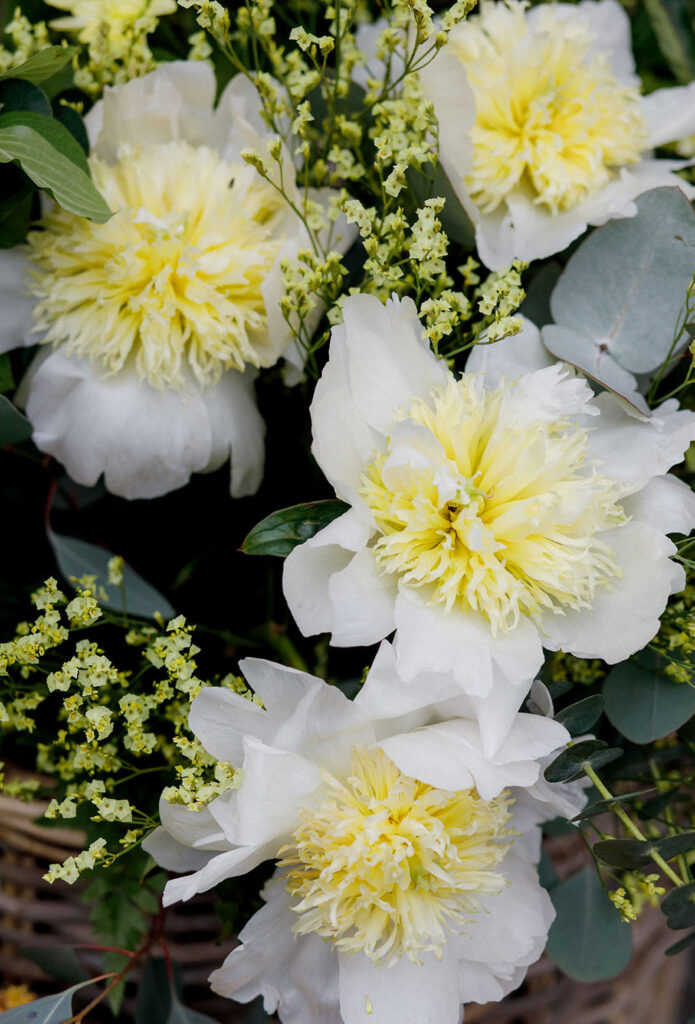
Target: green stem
(630, 825)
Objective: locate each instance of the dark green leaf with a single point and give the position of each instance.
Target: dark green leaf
(632, 854)
(579, 717)
(42, 65)
(605, 806)
(115, 962)
(6, 376)
(679, 907)
(281, 532)
(58, 961)
(15, 210)
(645, 705)
(14, 427)
(55, 133)
(50, 170)
(678, 947)
(570, 763)
(180, 1014)
(76, 557)
(654, 807)
(50, 1010)
(154, 992)
(671, 21)
(673, 846)
(74, 124)
(18, 95)
(587, 940)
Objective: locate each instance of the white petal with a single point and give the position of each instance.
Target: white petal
(15, 301)
(666, 503)
(296, 974)
(173, 102)
(363, 603)
(635, 450)
(670, 114)
(146, 442)
(610, 26)
(522, 353)
(446, 86)
(237, 121)
(389, 361)
(432, 640)
(405, 993)
(218, 868)
(172, 855)
(220, 719)
(238, 430)
(626, 617)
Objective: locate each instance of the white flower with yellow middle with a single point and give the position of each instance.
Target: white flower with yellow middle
(406, 881)
(154, 324)
(90, 17)
(543, 130)
(492, 514)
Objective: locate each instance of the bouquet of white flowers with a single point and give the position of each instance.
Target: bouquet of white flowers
(365, 331)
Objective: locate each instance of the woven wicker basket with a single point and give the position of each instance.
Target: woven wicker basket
(33, 913)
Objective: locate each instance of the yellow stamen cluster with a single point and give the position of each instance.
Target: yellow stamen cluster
(386, 865)
(171, 284)
(552, 119)
(492, 506)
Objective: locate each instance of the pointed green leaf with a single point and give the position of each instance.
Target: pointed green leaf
(42, 65)
(55, 133)
(678, 947)
(76, 557)
(14, 427)
(49, 1010)
(16, 94)
(587, 940)
(67, 183)
(281, 532)
(57, 961)
(605, 806)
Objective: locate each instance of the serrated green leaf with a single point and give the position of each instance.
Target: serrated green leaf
(587, 940)
(49, 169)
(631, 854)
(16, 94)
(76, 557)
(570, 763)
(14, 427)
(645, 705)
(281, 532)
(679, 907)
(55, 133)
(49, 1010)
(579, 717)
(42, 65)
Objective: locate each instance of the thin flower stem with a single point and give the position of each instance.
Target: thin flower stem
(631, 827)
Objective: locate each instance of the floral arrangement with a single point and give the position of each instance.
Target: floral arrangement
(347, 413)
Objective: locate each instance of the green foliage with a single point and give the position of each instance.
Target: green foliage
(50, 169)
(643, 703)
(679, 907)
(76, 558)
(14, 427)
(635, 854)
(42, 65)
(570, 764)
(60, 962)
(579, 717)
(281, 532)
(587, 940)
(7, 381)
(671, 22)
(50, 1010)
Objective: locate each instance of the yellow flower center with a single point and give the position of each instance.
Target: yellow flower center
(492, 505)
(385, 865)
(551, 116)
(171, 284)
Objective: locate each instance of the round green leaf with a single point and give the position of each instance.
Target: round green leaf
(587, 940)
(679, 907)
(645, 705)
(631, 854)
(570, 763)
(579, 717)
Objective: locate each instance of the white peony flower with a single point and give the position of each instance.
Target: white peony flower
(89, 17)
(406, 882)
(154, 323)
(492, 514)
(542, 127)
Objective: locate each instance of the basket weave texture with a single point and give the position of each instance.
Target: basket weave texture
(34, 913)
